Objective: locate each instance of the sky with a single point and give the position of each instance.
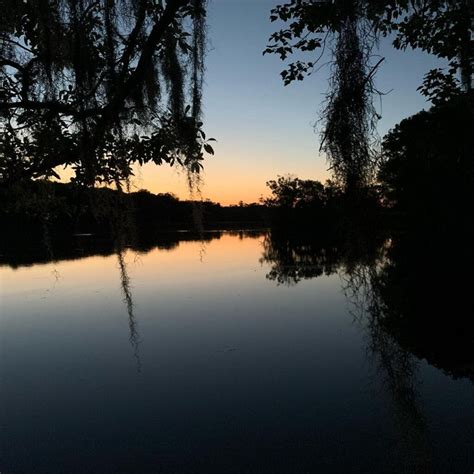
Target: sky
(262, 128)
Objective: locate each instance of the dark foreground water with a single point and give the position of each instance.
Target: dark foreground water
(233, 355)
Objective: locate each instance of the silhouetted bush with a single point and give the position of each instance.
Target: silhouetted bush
(428, 166)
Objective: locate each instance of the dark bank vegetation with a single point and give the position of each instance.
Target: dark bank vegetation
(304, 205)
(78, 246)
(37, 210)
(427, 171)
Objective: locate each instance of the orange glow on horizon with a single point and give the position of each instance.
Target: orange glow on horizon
(226, 185)
(226, 181)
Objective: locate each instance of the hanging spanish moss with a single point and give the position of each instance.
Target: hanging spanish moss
(349, 115)
(97, 86)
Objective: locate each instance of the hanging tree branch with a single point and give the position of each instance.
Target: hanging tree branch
(439, 27)
(80, 84)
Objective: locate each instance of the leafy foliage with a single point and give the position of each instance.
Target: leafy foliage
(442, 28)
(97, 85)
(290, 192)
(439, 27)
(351, 28)
(427, 162)
(349, 117)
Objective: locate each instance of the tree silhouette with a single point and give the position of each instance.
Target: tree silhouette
(427, 168)
(291, 192)
(99, 85)
(351, 29)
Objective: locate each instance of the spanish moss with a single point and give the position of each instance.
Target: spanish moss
(114, 82)
(349, 116)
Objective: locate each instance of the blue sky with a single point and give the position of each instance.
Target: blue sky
(263, 128)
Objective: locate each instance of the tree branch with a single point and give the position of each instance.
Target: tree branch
(110, 111)
(132, 38)
(127, 87)
(137, 76)
(52, 106)
(13, 64)
(38, 105)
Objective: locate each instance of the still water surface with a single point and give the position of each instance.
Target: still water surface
(191, 358)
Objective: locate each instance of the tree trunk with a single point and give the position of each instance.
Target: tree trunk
(466, 46)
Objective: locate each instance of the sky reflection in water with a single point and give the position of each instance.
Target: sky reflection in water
(192, 360)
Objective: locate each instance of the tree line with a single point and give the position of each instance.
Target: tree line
(98, 86)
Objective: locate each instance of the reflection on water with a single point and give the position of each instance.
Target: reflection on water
(127, 294)
(257, 352)
(396, 368)
(382, 293)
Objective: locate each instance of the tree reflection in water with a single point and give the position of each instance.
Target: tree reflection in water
(302, 256)
(412, 285)
(397, 291)
(134, 337)
(171, 242)
(396, 368)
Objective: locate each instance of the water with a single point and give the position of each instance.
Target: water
(212, 357)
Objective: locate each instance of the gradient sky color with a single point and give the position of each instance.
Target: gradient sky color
(263, 128)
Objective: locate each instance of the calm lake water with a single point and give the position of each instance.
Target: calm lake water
(214, 356)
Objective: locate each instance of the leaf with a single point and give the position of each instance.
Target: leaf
(208, 148)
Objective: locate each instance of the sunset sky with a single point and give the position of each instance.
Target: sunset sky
(263, 128)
